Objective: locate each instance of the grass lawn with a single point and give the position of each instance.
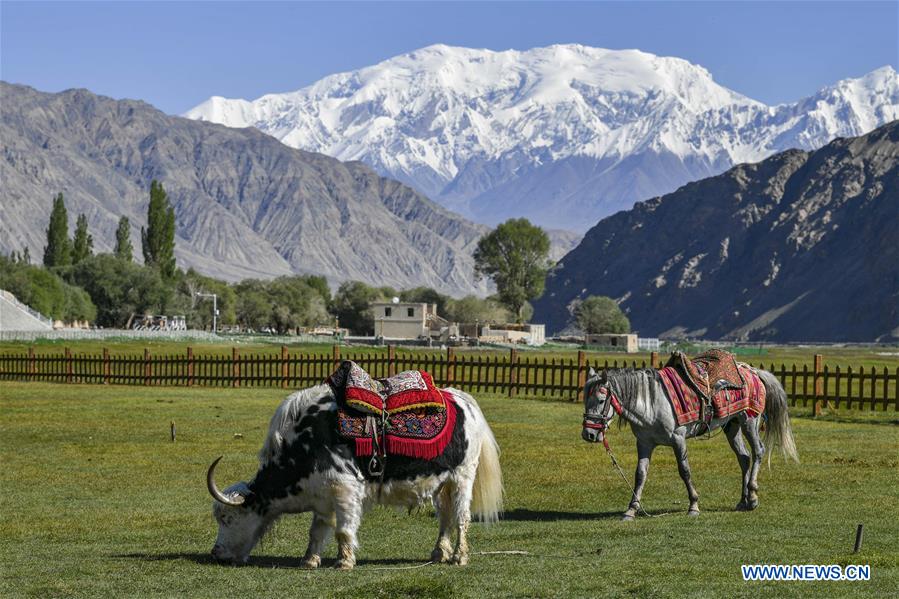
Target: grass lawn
(97, 501)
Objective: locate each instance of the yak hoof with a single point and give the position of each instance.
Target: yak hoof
(344, 564)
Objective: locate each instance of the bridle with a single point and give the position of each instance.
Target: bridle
(600, 422)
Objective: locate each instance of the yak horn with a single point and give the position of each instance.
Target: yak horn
(214, 490)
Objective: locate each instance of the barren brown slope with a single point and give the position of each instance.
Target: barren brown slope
(246, 205)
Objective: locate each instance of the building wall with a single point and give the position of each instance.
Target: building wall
(626, 342)
(404, 320)
(394, 329)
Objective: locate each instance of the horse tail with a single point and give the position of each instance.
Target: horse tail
(778, 429)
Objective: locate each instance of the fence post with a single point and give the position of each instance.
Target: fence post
(336, 353)
(513, 372)
(451, 366)
(818, 384)
(235, 368)
(653, 359)
(581, 374)
(284, 367)
(32, 365)
(391, 360)
(190, 366)
(68, 354)
(105, 366)
(146, 367)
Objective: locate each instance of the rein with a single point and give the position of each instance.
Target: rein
(600, 422)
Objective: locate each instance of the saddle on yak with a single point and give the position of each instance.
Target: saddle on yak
(401, 415)
(710, 385)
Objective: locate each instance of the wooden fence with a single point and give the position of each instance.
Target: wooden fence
(513, 374)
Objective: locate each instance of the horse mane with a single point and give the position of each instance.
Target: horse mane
(631, 385)
(286, 417)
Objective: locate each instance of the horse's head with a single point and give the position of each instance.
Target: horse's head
(240, 525)
(600, 407)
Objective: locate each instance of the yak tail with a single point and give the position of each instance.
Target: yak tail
(778, 429)
(487, 494)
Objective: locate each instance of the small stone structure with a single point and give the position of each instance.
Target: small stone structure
(626, 342)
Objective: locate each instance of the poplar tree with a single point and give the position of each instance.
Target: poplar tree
(123, 248)
(158, 239)
(58, 251)
(83, 243)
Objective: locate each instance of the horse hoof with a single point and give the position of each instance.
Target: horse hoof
(439, 557)
(693, 513)
(311, 563)
(627, 518)
(459, 560)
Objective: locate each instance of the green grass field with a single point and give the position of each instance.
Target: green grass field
(854, 356)
(97, 501)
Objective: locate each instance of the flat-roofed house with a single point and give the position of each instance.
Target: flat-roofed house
(626, 342)
(411, 320)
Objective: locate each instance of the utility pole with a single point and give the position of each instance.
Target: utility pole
(215, 309)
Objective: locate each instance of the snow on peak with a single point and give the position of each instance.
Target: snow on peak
(458, 122)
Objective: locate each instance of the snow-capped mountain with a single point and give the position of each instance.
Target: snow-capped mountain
(563, 135)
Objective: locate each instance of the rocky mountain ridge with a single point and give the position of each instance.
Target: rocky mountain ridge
(246, 205)
(802, 246)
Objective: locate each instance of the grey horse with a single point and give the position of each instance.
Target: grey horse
(638, 395)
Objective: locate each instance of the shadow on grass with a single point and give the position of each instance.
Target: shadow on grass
(526, 515)
(262, 561)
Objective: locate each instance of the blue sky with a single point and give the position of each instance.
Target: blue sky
(175, 55)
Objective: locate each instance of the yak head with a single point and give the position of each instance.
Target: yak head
(241, 524)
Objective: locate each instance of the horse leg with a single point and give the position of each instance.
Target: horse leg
(683, 466)
(751, 431)
(446, 513)
(348, 502)
(644, 455)
(732, 430)
(461, 495)
(319, 534)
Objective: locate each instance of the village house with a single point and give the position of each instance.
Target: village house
(625, 342)
(411, 320)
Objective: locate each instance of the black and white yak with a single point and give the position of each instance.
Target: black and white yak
(305, 466)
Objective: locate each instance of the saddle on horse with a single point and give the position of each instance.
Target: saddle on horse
(403, 415)
(711, 384)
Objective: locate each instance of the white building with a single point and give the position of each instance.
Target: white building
(532, 334)
(411, 320)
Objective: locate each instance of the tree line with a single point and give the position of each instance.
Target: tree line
(109, 289)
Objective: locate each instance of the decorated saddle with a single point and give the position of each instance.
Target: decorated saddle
(401, 415)
(712, 384)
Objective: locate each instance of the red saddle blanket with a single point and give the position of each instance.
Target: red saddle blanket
(408, 390)
(687, 403)
(404, 414)
(422, 433)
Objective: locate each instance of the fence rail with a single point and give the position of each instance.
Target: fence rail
(514, 375)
